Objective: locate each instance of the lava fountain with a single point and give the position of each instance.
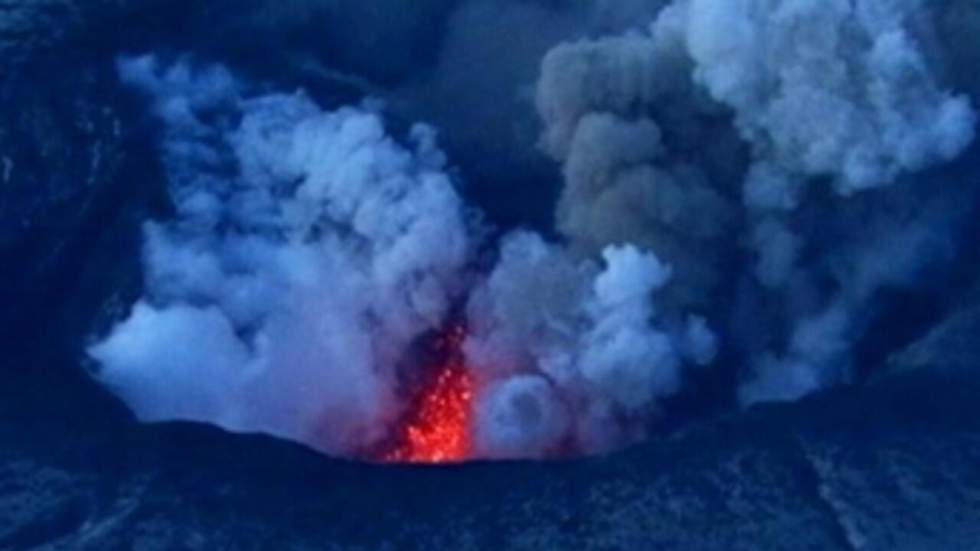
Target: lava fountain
(438, 426)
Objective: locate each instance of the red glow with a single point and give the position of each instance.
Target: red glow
(438, 428)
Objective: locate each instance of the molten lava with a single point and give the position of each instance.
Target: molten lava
(438, 427)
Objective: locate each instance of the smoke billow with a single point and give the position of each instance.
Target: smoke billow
(750, 116)
(308, 251)
(742, 177)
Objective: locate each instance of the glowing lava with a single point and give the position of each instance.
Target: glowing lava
(438, 428)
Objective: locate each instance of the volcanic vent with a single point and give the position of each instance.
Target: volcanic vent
(438, 425)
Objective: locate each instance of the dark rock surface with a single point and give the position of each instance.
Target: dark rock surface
(950, 346)
(891, 466)
(70, 202)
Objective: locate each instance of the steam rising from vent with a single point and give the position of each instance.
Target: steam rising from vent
(308, 252)
(747, 177)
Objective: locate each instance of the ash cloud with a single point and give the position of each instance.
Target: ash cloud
(743, 179)
(762, 119)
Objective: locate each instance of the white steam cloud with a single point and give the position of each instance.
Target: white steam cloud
(308, 251)
(837, 88)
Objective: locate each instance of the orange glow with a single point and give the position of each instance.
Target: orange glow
(438, 428)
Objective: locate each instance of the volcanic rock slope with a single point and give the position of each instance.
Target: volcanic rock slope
(889, 466)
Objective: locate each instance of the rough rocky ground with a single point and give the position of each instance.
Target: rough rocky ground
(887, 466)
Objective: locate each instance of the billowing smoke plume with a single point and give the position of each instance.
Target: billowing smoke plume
(743, 179)
(310, 251)
(720, 115)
